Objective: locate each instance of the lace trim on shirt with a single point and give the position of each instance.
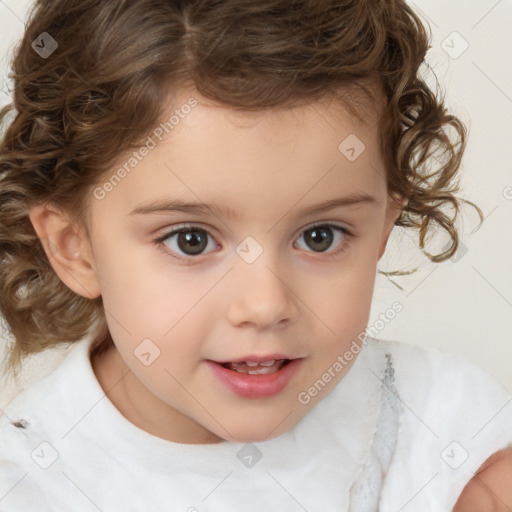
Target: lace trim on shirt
(365, 491)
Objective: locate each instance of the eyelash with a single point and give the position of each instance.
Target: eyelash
(159, 242)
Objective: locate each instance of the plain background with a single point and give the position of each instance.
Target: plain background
(464, 305)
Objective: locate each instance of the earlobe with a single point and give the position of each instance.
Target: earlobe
(67, 249)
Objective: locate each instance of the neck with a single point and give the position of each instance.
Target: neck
(142, 408)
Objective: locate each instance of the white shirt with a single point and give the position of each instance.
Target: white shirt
(405, 429)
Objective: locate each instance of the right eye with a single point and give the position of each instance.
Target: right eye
(191, 240)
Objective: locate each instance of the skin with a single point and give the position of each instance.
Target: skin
(491, 487)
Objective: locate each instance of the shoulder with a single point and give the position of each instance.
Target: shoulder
(34, 425)
(453, 417)
(426, 370)
(39, 402)
(449, 392)
(34, 369)
(490, 490)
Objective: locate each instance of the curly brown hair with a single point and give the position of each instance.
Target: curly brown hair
(105, 87)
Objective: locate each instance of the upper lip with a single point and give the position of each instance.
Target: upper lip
(255, 359)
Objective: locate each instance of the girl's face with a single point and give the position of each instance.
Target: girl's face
(248, 278)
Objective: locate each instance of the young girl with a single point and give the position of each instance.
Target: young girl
(194, 199)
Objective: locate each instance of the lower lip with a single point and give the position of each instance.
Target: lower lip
(255, 386)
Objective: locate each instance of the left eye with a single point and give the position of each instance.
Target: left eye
(321, 235)
(193, 240)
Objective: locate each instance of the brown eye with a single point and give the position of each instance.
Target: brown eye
(195, 240)
(191, 241)
(320, 237)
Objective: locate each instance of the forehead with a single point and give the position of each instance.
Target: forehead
(254, 160)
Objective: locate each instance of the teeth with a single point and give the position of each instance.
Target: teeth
(252, 364)
(257, 368)
(262, 371)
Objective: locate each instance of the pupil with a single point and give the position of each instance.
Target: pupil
(194, 239)
(322, 236)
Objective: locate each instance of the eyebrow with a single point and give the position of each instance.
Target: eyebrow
(177, 205)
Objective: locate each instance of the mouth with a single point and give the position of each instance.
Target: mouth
(259, 377)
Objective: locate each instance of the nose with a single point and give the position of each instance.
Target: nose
(262, 298)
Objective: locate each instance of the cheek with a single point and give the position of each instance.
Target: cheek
(143, 304)
(341, 301)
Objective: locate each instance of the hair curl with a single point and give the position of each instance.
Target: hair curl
(105, 87)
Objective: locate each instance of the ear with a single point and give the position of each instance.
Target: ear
(68, 249)
(393, 211)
